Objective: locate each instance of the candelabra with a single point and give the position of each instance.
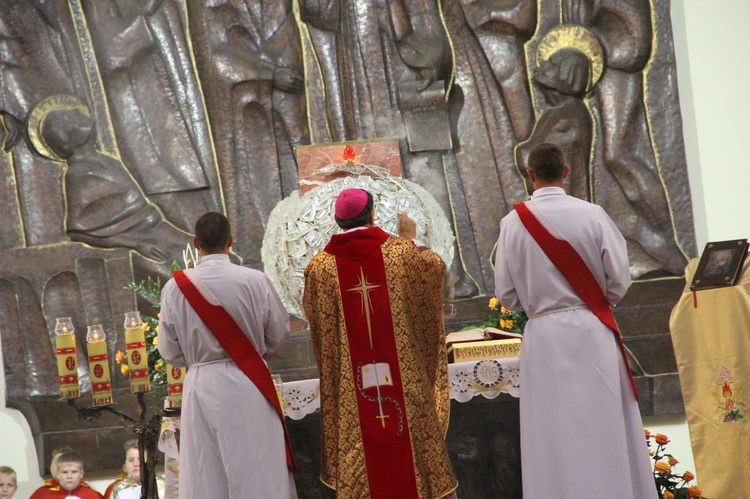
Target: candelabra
(146, 428)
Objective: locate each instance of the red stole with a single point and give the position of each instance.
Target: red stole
(233, 340)
(570, 264)
(371, 340)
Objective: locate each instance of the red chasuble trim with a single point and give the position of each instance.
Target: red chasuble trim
(570, 264)
(389, 458)
(233, 340)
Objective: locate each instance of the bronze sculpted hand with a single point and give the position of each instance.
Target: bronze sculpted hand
(152, 249)
(572, 71)
(429, 75)
(288, 80)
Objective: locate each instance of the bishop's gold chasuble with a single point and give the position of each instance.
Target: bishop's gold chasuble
(374, 304)
(711, 337)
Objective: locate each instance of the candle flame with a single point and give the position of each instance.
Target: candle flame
(133, 320)
(95, 333)
(64, 325)
(349, 154)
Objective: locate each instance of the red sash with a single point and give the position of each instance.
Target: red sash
(570, 264)
(233, 340)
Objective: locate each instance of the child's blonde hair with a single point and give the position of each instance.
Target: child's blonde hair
(69, 457)
(56, 453)
(7, 470)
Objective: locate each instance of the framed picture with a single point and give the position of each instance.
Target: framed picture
(720, 264)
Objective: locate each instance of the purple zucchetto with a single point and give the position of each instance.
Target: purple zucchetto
(350, 203)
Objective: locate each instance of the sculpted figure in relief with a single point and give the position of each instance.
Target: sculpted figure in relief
(105, 207)
(250, 62)
(155, 104)
(625, 33)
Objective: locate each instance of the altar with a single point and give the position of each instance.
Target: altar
(488, 378)
(483, 436)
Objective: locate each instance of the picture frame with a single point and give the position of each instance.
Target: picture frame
(720, 264)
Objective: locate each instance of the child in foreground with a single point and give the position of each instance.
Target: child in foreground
(67, 481)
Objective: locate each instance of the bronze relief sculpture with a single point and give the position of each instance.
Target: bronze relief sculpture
(175, 107)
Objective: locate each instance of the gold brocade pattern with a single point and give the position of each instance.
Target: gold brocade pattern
(415, 288)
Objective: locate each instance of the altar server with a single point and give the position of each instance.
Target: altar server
(563, 261)
(128, 484)
(68, 480)
(222, 320)
(374, 304)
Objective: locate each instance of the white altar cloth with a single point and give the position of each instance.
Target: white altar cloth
(488, 378)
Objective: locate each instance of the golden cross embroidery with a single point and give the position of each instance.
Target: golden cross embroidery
(364, 288)
(380, 399)
(382, 417)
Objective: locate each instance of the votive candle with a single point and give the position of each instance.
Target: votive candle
(67, 363)
(101, 386)
(135, 344)
(175, 384)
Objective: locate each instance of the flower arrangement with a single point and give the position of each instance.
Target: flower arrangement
(669, 484)
(502, 318)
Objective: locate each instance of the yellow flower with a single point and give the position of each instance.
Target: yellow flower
(124, 369)
(159, 366)
(504, 310)
(687, 476)
(661, 467)
(695, 492)
(661, 439)
(146, 326)
(155, 341)
(672, 461)
(119, 357)
(667, 495)
(494, 302)
(156, 328)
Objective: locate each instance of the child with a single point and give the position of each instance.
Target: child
(128, 485)
(132, 471)
(67, 482)
(8, 482)
(53, 461)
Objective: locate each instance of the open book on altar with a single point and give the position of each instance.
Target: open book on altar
(482, 344)
(480, 334)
